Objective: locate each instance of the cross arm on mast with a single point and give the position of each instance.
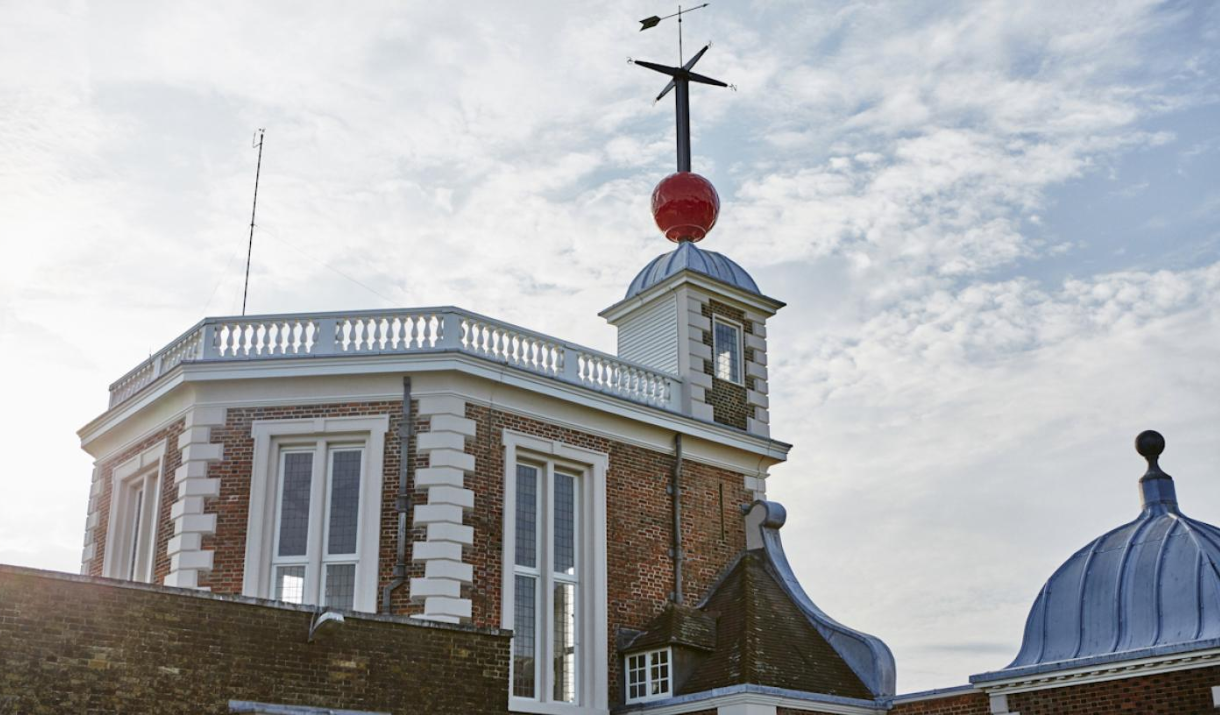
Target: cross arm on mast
(680, 79)
(694, 77)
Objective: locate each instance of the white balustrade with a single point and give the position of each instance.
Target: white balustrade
(403, 332)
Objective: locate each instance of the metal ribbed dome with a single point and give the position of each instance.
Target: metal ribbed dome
(687, 257)
(1152, 583)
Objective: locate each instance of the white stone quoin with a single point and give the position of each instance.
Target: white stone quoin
(443, 514)
(187, 557)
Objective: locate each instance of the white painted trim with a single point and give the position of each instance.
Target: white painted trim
(204, 372)
(146, 467)
(740, 299)
(648, 656)
(735, 702)
(1105, 672)
(92, 517)
(264, 476)
(599, 426)
(593, 467)
(445, 573)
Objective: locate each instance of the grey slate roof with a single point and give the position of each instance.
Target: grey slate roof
(1150, 585)
(689, 257)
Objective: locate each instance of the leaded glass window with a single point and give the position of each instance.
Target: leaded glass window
(726, 351)
(547, 583)
(318, 518)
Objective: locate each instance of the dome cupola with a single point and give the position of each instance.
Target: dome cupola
(1150, 586)
(689, 257)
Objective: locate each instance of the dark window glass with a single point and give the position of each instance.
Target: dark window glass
(525, 636)
(344, 502)
(565, 524)
(294, 504)
(340, 585)
(527, 516)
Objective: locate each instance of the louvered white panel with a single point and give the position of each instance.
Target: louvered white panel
(651, 337)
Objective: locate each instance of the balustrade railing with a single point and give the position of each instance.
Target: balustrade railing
(403, 332)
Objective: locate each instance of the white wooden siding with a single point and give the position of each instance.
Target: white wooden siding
(651, 337)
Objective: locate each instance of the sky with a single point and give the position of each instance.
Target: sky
(996, 226)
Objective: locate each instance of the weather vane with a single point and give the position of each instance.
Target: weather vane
(684, 205)
(681, 77)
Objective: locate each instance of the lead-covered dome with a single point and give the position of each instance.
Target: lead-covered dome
(689, 257)
(1149, 584)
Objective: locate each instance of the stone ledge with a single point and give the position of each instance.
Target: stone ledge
(6, 569)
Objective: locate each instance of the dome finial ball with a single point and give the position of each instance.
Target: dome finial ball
(685, 206)
(1150, 444)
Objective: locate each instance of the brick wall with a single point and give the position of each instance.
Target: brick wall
(79, 644)
(639, 523)
(970, 703)
(234, 472)
(728, 399)
(1182, 692)
(639, 520)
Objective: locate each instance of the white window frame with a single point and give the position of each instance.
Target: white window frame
(649, 657)
(324, 435)
(739, 378)
(127, 558)
(590, 467)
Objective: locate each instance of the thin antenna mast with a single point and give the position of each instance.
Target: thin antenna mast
(253, 210)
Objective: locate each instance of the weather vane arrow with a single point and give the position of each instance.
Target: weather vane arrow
(680, 79)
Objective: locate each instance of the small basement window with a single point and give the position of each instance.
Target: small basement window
(648, 676)
(726, 350)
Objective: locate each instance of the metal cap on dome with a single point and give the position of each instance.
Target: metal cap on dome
(1156, 487)
(689, 257)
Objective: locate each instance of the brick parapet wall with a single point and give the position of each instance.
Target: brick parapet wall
(80, 644)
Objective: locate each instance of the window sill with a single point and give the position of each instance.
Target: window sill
(525, 705)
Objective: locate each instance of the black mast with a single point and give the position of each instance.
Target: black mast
(681, 77)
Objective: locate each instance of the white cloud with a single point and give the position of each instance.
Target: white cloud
(954, 375)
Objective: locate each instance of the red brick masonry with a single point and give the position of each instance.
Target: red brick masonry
(78, 644)
(1182, 692)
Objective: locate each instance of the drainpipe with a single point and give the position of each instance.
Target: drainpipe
(675, 492)
(406, 430)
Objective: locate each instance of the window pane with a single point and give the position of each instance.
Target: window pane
(565, 524)
(637, 673)
(564, 624)
(294, 504)
(660, 673)
(527, 516)
(525, 637)
(340, 585)
(728, 361)
(137, 514)
(344, 501)
(290, 584)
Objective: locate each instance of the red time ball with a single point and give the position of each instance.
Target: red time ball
(685, 206)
